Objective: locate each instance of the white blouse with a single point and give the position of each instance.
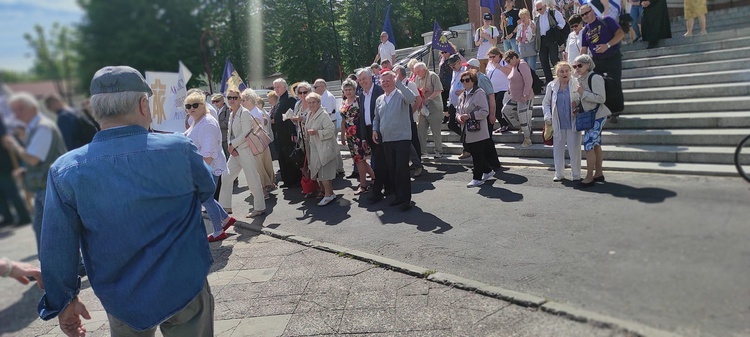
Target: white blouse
(206, 135)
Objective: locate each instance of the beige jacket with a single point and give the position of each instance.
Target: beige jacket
(322, 146)
(593, 96)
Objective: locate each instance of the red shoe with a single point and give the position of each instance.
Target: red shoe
(230, 223)
(212, 238)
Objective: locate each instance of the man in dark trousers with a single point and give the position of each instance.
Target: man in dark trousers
(284, 132)
(366, 100)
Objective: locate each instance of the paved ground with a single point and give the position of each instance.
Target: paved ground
(265, 286)
(665, 251)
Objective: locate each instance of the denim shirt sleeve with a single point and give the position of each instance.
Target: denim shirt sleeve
(59, 251)
(202, 176)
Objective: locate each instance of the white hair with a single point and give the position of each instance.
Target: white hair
(420, 65)
(250, 95)
(115, 104)
(365, 71)
(303, 84)
(585, 58)
(24, 98)
(280, 81)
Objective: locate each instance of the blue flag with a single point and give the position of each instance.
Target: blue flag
(231, 79)
(387, 25)
(439, 41)
(489, 4)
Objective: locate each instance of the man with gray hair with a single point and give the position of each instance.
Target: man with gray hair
(144, 247)
(43, 145)
(391, 128)
(386, 50)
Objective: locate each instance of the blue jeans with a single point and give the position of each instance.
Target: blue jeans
(531, 60)
(636, 12)
(510, 44)
(215, 212)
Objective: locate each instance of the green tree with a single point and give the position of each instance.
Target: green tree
(146, 35)
(55, 58)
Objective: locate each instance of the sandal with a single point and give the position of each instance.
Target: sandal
(255, 213)
(362, 190)
(327, 200)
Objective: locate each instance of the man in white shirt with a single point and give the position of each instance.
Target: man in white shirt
(485, 37)
(546, 44)
(328, 101)
(386, 50)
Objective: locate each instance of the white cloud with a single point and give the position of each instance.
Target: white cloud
(56, 5)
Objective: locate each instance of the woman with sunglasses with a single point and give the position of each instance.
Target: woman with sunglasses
(471, 113)
(520, 93)
(560, 103)
(592, 98)
(299, 117)
(241, 157)
(206, 135)
(573, 43)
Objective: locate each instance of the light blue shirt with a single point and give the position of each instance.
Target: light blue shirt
(131, 201)
(563, 109)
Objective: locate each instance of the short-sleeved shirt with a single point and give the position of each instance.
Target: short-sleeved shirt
(497, 77)
(38, 146)
(600, 31)
(511, 17)
(485, 46)
(386, 50)
(431, 83)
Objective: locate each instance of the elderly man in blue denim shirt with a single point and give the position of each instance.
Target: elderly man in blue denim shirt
(131, 202)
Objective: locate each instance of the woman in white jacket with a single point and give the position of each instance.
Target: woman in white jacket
(560, 102)
(241, 158)
(263, 161)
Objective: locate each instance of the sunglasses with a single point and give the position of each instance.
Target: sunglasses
(304, 92)
(580, 65)
(587, 13)
(216, 101)
(233, 98)
(493, 56)
(193, 106)
(466, 80)
(443, 52)
(540, 9)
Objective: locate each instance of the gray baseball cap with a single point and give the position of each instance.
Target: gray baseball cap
(113, 79)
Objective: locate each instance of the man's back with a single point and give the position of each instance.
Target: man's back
(133, 198)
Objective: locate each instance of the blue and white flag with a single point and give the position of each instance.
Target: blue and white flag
(440, 41)
(231, 79)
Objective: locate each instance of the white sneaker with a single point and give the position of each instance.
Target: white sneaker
(557, 178)
(326, 200)
(488, 175)
(526, 143)
(475, 183)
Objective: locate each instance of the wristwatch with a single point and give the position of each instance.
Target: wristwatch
(608, 46)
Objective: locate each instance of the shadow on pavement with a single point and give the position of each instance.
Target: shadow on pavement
(648, 195)
(425, 222)
(22, 313)
(509, 178)
(332, 214)
(489, 190)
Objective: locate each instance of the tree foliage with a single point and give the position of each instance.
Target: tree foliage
(55, 59)
(302, 39)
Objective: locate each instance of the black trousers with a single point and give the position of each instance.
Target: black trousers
(379, 167)
(9, 196)
(397, 162)
(499, 110)
(479, 160)
(415, 139)
(549, 56)
(612, 67)
(290, 173)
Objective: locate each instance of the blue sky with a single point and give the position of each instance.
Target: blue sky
(19, 16)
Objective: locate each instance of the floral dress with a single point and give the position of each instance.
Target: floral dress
(358, 148)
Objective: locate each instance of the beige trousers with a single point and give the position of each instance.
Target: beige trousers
(244, 162)
(265, 168)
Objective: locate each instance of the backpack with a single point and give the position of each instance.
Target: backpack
(559, 35)
(492, 32)
(536, 83)
(615, 100)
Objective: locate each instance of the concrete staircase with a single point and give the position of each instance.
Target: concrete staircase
(687, 105)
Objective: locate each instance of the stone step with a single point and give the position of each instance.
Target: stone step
(714, 25)
(736, 11)
(644, 71)
(678, 40)
(688, 105)
(699, 137)
(729, 76)
(609, 165)
(690, 47)
(630, 152)
(666, 60)
(688, 91)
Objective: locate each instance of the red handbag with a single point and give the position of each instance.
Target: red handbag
(308, 185)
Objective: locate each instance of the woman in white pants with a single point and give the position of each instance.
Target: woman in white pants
(560, 101)
(263, 161)
(241, 158)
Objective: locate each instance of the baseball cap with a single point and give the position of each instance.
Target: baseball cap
(488, 16)
(454, 58)
(472, 62)
(113, 79)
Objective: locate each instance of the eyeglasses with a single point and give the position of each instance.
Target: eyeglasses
(443, 52)
(304, 92)
(492, 56)
(580, 65)
(233, 98)
(587, 13)
(216, 101)
(193, 106)
(540, 9)
(466, 80)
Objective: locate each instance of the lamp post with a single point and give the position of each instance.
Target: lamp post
(209, 44)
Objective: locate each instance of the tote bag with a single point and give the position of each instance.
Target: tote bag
(257, 139)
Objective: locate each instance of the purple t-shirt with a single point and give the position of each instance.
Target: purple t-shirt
(599, 32)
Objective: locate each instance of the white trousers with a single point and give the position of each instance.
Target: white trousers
(244, 162)
(571, 140)
(435, 123)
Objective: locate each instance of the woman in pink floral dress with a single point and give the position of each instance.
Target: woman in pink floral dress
(359, 148)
